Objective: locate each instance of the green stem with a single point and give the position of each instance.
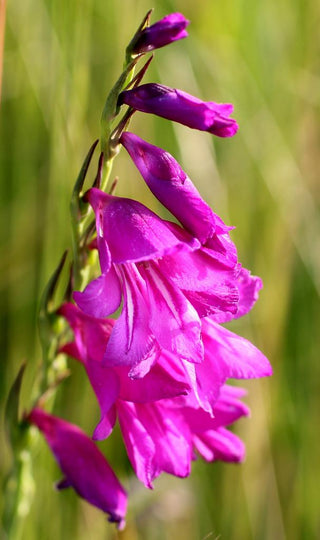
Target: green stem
(19, 495)
(110, 110)
(109, 148)
(106, 172)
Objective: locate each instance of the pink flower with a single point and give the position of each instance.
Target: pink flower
(181, 107)
(161, 307)
(84, 467)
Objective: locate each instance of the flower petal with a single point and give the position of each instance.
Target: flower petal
(220, 444)
(209, 285)
(91, 334)
(165, 435)
(161, 382)
(238, 357)
(248, 288)
(139, 444)
(131, 342)
(172, 319)
(106, 386)
(106, 424)
(101, 297)
(132, 232)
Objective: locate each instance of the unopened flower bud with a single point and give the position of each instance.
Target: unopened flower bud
(169, 29)
(181, 107)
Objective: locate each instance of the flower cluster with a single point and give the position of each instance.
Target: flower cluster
(148, 330)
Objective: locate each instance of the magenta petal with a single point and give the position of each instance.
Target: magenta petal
(159, 383)
(172, 438)
(240, 358)
(173, 320)
(91, 338)
(132, 232)
(229, 408)
(248, 288)
(221, 108)
(106, 386)
(221, 247)
(140, 446)
(101, 245)
(210, 375)
(71, 349)
(167, 440)
(91, 334)
(209, 435)
(210, 286)
(101, 297)
(131, 342)
(83, 465)
(170, 184)
(220, 444)
(226, 410)
(105, 425)
(63, 484)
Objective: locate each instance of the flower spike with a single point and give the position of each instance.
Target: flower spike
(147, 327)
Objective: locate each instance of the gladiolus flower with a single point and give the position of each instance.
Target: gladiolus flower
(181, 107)
(84, 466)
(160, 309)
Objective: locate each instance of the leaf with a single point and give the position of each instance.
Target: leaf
(12, 420)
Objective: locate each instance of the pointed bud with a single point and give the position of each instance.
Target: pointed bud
(172, 187)
(170, 28)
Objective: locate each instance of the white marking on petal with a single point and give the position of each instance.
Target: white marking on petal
(162, 288)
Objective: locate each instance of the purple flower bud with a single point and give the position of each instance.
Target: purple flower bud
(169, 29)
(84, 466)
(181, 107)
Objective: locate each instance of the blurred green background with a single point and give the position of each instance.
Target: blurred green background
(61, 58)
